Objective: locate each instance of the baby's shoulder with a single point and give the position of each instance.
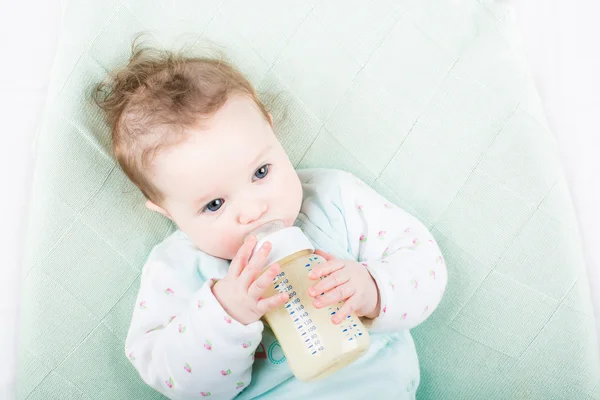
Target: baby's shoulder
(178, 255)
(175, 253)
(174, 249)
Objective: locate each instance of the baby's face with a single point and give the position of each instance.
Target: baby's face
(231, 176)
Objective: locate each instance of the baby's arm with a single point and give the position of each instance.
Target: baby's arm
(399, 252)
(182, 342)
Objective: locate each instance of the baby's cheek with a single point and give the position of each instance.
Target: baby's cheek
(290, 198)
(233, 244)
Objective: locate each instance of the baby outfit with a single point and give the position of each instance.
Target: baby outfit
(184, 345)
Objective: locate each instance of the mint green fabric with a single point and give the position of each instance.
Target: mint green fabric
(430, 102)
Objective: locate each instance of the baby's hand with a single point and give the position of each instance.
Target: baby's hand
(348, 281)
(240, 292)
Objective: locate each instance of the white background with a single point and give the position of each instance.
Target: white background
(562, 43)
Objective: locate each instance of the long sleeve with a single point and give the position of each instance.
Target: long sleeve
(182, 342)
(399, 252)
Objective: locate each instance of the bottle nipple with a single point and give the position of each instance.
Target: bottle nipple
(263, 231)
(284, 240)
(266, 229)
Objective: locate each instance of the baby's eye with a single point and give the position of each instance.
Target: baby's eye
(262, 172)
(214, 205)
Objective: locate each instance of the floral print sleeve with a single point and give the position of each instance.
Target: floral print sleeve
(182, 342)
(399, 252)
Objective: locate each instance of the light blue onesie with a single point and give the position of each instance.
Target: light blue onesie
(184, 345)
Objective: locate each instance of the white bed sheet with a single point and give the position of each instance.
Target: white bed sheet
(564, 60)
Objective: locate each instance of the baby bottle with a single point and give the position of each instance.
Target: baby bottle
(313, 345)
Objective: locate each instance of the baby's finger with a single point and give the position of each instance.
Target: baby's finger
(325, 255)
(332, 280)
(326, 268)
(258, 287)
(270, 303)
(348, 308)
(256, 265)
(240, 260)
(339, 293)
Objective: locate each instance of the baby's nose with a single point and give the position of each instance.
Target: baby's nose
(252, 213)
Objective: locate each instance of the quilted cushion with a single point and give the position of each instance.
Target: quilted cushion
(428, 101)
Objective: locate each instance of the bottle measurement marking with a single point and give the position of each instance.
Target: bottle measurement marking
(304, 324)
(350, 328)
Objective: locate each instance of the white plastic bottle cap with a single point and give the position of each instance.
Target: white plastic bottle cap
(284, 241)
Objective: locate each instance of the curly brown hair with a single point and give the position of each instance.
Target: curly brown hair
(151, 101)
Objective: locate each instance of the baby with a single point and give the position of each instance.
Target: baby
(193, 136)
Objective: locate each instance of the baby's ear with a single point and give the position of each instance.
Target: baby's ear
(153, 207)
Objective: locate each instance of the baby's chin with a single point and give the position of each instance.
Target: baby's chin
(220, 251)
(228, 250)
(223, 254)
(289, 222)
